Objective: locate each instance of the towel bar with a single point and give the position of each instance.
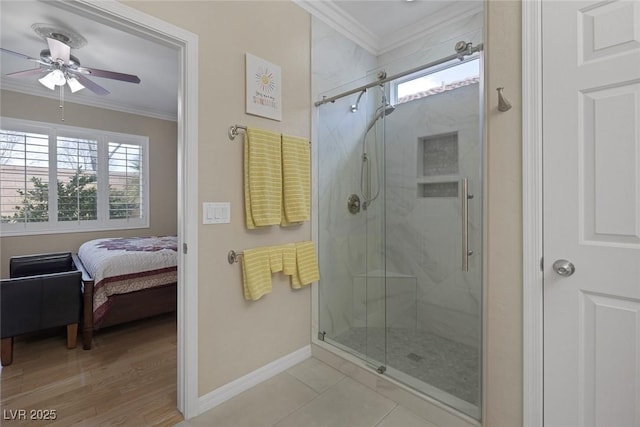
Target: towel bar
(233, 131)
(233, 256)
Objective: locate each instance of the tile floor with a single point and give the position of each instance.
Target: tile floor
(310, 394)
(450, 366)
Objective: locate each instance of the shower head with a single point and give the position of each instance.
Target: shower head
(388, 109)
(354, 107)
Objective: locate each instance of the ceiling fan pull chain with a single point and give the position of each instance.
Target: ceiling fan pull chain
(62, 103)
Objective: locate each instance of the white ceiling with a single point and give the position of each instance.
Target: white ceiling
(385, 18)
(377, 25)
(107, 49)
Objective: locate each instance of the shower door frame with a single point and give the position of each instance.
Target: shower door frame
(317, 337)
(371, 284)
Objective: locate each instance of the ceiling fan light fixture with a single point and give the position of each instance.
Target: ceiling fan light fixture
(47, 81)
(61, 67)
(58, 78)
(53, 79)
(74, 84)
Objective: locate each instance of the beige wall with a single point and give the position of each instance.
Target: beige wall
(237, 337)
(503, 340)
(162, 169)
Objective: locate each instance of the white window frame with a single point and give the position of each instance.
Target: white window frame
(103, 223)
(393, 87)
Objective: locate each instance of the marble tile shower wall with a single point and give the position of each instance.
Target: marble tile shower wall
(337, 62)
(423, 233)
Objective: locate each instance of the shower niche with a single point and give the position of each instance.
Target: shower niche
(438, 165)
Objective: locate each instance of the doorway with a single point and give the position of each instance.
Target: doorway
(588, 309)
(129, 19)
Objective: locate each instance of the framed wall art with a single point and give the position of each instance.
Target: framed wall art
(263, 88)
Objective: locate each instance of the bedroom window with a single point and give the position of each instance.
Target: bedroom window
(101, 179)
(125, 182)
(77, 178)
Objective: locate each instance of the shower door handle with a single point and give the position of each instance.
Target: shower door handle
(465, 196)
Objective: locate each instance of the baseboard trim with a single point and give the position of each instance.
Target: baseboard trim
(234, 388)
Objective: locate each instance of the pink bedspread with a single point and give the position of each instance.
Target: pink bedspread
(122, 265)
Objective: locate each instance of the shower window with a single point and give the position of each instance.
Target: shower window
(421, 84)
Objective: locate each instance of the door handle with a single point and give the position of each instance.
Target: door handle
(465, 196)
(564, 268)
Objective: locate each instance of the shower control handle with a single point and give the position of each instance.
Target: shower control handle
(353, 204)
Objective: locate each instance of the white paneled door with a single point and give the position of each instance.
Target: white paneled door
(591, 145)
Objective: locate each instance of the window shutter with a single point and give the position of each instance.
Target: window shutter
(24, 171)
(125, 181)
(77, 161)
(63, 179)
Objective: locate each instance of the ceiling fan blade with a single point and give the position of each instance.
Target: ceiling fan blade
(112, 75)
(59, 50)
(29, 58)
(93, 87)
(26, 73)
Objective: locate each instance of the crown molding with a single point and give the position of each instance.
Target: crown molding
(455, 11)
(342, 22)
(92, 101)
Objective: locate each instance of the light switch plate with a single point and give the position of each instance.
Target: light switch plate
(216, 213)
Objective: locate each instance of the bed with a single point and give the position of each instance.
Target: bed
(127, 279)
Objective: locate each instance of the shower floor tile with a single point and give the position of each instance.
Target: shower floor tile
(452, 367)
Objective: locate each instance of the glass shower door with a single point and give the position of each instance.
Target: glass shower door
(352, 303)
(400, 218)
(372, 188)
(433, 178)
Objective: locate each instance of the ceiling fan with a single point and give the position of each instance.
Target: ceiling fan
(60, 67)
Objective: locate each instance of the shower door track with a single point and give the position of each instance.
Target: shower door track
(374, 364)
(462, 49)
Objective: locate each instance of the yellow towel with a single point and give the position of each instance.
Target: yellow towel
(296, 180)
(290, 265)
(256, 273)
(262, 178)
(275, 258)
(307, 263)
(297, 260)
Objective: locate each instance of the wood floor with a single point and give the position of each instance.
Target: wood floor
(127, 378)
